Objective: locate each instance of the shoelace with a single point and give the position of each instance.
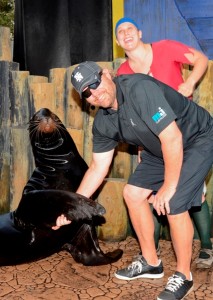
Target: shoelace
(136, 265)
(174, 283)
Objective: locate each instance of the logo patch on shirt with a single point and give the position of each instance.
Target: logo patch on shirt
(160, 115)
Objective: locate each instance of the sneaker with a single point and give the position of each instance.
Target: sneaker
(139, 268)
(205, 259)
(177, 288)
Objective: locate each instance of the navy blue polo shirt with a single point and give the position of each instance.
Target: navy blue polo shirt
(146, 107)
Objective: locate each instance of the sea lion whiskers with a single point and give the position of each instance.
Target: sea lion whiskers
(46, 125)
(60, 130)
(37, 131)
(33, 132)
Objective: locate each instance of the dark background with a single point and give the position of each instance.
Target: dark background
(60, 33)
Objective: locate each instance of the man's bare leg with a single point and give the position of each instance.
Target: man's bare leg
(182, 232)
(142, 220)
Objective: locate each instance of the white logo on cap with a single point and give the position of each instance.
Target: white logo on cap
(78, 76)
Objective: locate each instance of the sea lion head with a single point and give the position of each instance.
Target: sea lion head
(54, 149)
(46, 130)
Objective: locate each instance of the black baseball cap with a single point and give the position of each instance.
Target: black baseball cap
(84, 74)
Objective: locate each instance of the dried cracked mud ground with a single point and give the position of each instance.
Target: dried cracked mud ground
(60, 277)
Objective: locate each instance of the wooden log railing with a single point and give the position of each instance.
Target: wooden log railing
(22, 94)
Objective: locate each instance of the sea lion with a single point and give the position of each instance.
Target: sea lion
(26, 233)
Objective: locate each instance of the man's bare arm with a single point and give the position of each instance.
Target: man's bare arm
(172, 148)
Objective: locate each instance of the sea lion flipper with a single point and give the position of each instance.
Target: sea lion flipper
(42, 208)
(85, 249)
(83, 208)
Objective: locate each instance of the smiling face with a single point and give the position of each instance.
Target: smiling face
(105, 94)
(128, 36)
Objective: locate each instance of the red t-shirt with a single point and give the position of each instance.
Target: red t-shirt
(168, 58)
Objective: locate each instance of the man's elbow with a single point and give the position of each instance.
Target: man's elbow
(101, 169)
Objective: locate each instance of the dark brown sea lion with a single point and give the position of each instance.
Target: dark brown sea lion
(26, 234)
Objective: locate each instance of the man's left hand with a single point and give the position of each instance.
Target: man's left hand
(162, 198)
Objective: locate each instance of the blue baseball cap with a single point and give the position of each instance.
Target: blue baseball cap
(124, 20)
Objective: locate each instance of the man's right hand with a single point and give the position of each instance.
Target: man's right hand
(61, 221)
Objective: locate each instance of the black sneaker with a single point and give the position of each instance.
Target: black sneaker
(177, 287)
(205, 259)
(139, 268)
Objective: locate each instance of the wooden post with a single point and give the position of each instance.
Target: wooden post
(116, 63)
(19, 97)
(5, 44)
(122, 163)
(111, 197)
(58, 77)
(74, 112)
(78, 138)
(88, 121)
(204, 92)
(34, 79)
(21, 161)
(5, 68)
(42, 96)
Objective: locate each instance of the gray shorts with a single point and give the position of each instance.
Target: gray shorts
(197, 162)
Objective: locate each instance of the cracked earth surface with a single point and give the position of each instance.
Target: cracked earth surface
(60, 277)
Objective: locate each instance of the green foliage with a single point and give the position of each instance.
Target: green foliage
(7, 14)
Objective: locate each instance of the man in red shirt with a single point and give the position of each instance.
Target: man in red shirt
(163, 60)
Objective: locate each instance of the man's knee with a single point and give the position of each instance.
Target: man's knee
(178, 218)
(135, 194)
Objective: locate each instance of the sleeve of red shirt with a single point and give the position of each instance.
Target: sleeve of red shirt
(177, 51)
